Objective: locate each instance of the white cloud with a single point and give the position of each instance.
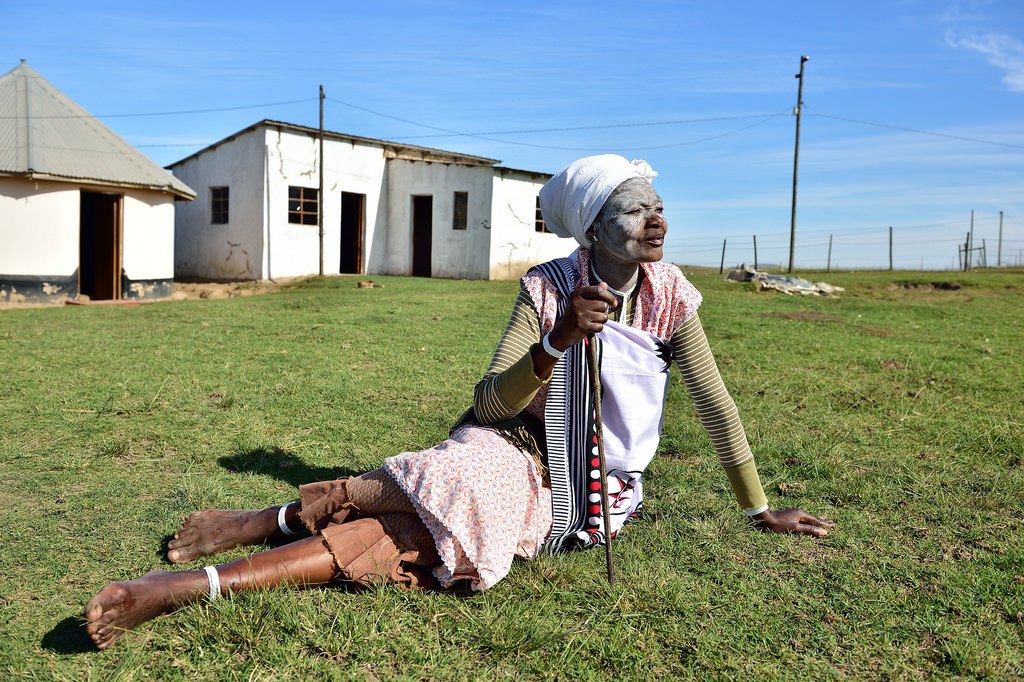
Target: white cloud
(1002, 51)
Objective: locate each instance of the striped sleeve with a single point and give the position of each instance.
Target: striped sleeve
(510, 382)
(718, 414)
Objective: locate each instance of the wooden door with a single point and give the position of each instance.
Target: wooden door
(353, 222)
(99, 245)
(422, 234)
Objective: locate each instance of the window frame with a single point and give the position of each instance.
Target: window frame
(538, 220)
(220, 206)
(307, 213)
(464, 213)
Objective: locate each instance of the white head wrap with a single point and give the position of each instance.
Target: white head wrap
(572, 199)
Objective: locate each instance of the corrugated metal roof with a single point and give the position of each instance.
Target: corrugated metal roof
(398, 150)
(45, 135)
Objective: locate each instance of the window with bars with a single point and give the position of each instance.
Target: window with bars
(303, 205)
(460, 214)
(538, 221)
(218, 205)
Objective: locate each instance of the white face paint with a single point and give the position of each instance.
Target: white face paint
(631, 226)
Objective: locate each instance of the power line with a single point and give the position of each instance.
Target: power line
(170, 113)
(594, 127)
(764, 117)
(919, 132)
(392, 117)
(484, 136)
(700, 139)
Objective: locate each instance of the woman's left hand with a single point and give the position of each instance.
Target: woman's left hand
(791, 520)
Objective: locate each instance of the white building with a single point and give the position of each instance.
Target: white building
(82, 212)
(389, 208)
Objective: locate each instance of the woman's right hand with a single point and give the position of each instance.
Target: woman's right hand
(586, 313)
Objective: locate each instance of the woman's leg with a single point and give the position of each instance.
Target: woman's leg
(121, 606)
(218, 530)
(210, 532)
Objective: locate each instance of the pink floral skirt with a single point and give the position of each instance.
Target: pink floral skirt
(482, 499)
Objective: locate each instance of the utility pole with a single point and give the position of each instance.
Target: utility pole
(828, 263)
(755, 252)
(999, 250)
(721, 267)
(796, 158)
(320, 193)
(967, 245)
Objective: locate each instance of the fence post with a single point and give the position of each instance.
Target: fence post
(721, 267)
(970, 243)
(999, 249)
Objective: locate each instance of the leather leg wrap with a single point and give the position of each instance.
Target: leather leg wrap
(324, 503)
(327, 503)
(367, 554)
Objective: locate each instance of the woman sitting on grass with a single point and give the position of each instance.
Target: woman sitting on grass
(519, 473)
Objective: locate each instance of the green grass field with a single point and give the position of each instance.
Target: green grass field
(895, 409)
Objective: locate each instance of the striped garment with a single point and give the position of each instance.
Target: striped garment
(510, 385)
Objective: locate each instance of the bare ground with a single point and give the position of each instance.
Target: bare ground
(214, 290)
(182, 291)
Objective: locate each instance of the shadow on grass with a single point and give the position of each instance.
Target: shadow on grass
(161, 550)
(282, 465)
(68, 637)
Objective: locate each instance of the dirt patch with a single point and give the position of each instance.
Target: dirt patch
(880, 332)
(791, 488)
(891, 364)
(218, 290)
(805, 315)
(925, 286)
(182, 291)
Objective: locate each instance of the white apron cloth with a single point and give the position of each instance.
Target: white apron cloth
(634, 381)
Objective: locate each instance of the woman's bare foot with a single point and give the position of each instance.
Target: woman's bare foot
(119, 607)
(218, 530)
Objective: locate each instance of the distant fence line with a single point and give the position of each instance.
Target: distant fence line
(969, 254)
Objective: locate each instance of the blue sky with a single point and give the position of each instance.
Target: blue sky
(704, 91)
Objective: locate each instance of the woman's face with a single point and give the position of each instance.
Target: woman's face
(631, 227)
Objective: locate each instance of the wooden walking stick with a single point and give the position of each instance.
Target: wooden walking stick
(595, 381)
